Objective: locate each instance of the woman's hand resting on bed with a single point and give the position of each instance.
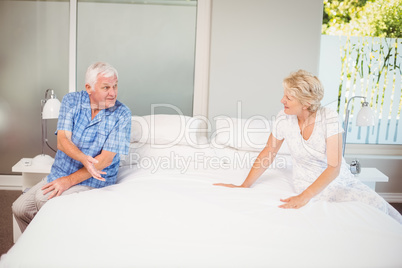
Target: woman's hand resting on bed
(229, 185)
(295, 202)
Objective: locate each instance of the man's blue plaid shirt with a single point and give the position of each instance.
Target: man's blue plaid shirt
(109, 131)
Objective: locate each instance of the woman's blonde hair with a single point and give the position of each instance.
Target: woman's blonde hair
(306, 88)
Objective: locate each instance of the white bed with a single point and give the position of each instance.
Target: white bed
(173, 216)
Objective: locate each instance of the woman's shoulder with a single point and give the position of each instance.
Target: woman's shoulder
(281, 114)
(328, 110)
(284, 121)
(328, 113)
(331, 121)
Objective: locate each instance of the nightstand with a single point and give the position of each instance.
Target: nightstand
(32, 172)
(370, 176)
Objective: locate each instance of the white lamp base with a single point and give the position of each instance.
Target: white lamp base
(42, 159)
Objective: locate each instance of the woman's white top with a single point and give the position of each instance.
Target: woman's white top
(309, 157)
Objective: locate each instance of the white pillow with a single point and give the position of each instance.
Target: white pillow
(245, 159)
(166, 130)
(244, 134)
(151, 156)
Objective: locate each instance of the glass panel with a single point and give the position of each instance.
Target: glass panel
(151, 45)
(33, 58)
(360, 58)
(369, 67)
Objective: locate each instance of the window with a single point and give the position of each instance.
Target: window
(354, 64)
(151, 44)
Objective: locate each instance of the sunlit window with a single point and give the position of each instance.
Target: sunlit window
(360, 57)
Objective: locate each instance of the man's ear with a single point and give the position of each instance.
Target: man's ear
(88, 89)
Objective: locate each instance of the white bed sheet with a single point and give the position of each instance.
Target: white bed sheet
(169, 218)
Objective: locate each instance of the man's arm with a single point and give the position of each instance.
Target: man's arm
(65, 145)
(58, 186)
(104, 159)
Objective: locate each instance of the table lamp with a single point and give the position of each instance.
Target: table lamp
(365, 117)
(50, 110)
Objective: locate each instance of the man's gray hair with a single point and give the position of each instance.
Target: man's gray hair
(99, 68)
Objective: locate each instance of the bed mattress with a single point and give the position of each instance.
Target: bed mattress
(171, 218)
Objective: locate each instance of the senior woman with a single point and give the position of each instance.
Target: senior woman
(314, 137)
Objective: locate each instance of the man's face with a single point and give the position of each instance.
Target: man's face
(104, 94)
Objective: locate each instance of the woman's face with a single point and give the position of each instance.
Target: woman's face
(292, 106)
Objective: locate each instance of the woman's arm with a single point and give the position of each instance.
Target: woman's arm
(263, 161)
(334, 161)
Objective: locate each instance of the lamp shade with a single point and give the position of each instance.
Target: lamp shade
(365, 117)
(51, 109)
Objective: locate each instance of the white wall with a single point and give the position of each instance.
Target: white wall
(33, 58)
(254, 45)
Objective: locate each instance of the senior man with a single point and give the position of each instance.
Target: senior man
(93, 130)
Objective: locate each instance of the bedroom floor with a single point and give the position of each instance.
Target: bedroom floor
(6, 223)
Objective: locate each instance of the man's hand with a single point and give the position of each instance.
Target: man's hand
(89, 163)
(65, 144)
(58, 186)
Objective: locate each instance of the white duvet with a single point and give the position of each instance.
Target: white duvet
(172, 219)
